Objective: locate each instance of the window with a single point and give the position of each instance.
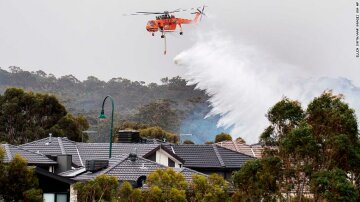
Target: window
(61, 197)
(171, 163)
(49, 197)
(151, 23)
(55, 197)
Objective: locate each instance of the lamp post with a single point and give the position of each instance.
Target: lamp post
(102, 116)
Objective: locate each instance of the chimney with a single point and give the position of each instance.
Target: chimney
(64, 163)
(50, 137)
(128, 136)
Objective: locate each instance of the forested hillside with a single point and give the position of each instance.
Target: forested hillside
(182, 107)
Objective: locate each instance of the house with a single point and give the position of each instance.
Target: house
(53, 186)
(127, 167)
(132, 160)
(210, 159)
(202, 158)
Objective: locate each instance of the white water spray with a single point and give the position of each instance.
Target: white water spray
(244, 83)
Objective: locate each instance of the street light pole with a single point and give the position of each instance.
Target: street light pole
(102, 116)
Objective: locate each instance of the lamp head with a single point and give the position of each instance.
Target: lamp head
(102, 115)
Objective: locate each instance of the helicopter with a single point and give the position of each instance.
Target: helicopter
(167, 22)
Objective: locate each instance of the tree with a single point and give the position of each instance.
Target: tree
(240, 140)
(223, 137)
(166, 185)
(26, 116)
(71, 127)
(125, 191)
(334, 125)
(159, 113)
(188, 142)
(283, 117)
(158, 133)
(299, 151)
(102, 187)
(18, 181)
(258, 180)
(311, 143)
(333, 185)
(210, 188)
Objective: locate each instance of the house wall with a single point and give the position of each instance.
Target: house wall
(162, 158)
(73, 194)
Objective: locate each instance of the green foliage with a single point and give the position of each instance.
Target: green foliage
(166, 185)
(222, 137)
(176, 195)
(333, 185)
(83, 97)
(18, 181)
(136, 196)
(125, 191)
(159, 133)
(159, 113)
(103, 187)
(128, 125)
(154, 194)
(26, 116)
(209, 189)
(240, 140)
(314, 146)
(33, 195)
(283, 117)
(335, 128)
(166, 179)
(258, 180)
(71, 127)
(188, 142)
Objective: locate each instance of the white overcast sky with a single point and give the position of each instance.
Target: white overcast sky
(92, 37)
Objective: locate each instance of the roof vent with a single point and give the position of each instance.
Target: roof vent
(133, 157)
(96, 165)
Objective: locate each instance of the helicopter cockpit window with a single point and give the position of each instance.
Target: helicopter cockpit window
(151, 23)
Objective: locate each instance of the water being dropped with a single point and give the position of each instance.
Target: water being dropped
(244, 83)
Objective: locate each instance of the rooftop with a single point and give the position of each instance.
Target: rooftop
(31, 157)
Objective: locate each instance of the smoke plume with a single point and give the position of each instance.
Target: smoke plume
(244, 83)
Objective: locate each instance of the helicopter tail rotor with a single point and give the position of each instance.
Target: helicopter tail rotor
(200, 12)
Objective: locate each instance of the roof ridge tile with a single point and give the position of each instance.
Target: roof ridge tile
(61, 145)
(32, 142)
(218, 155)
(235, 144)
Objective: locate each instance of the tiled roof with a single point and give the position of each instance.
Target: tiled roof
(196, 155)
(209, 156)
(188, 173)
(251, 150)
(55, 146)
(99, 151)
(126, 170)
(84, 151)
(32, 157)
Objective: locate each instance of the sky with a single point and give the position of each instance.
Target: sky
(93, 37)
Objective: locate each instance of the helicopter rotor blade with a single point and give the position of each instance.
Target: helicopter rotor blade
(150, 12)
